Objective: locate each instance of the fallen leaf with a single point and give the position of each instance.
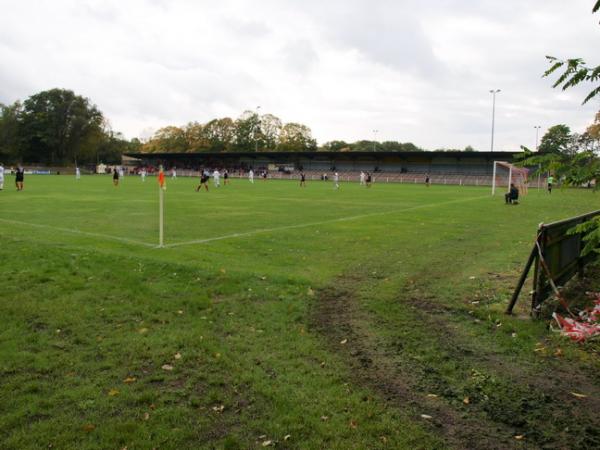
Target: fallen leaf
(322, 363)
(344, 341)
(167, 367)
(177, 355)
(519, 437)
(152, 406)
(471, 278)
(267, 443)
(129, 380)
(223, 270)
(218, 409)
(217, 355)
(432, 396)
(146, 416)
(425, 416)
(353, 424)
(286, 437)
(466, 400)
(578, 395)
(113, 392)
(383, 439)
(143, 330)
(180, 311)
(324, 418)
(310, 292)
(558, 352)
(88, 427)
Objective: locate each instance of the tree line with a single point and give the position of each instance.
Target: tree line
(59, 127)
(252, 132)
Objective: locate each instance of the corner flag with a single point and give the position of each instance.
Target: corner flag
(161, 209)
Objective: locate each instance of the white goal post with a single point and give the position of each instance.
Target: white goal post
(511, 174)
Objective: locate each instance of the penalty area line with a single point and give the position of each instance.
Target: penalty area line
(323, 222)
(79, 232)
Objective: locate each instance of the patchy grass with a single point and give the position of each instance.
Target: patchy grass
(237, 341)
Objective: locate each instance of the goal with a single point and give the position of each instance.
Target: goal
(506, 173)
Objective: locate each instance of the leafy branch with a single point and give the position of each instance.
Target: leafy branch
(575, 70)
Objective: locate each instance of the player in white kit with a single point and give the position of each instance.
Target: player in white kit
(1, 176)
(77, 173)
(336, 181)
(173, 173)
(217, 178)
(251, 176)
(143, 174)
(362, 178)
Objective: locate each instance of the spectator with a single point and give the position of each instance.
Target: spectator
(512, 196)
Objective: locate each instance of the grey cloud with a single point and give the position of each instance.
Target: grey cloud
(247, 28)
(299, 56)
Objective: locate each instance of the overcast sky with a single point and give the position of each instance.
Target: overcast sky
(417, 71)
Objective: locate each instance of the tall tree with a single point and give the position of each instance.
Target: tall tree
(168, 139)
(59, 127)
(556, 140)
(219, 133)
(9, 131)
(296, 137)
(248, 133)
(195, 139)
(270, 126)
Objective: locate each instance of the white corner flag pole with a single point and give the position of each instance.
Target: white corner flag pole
(161, 213)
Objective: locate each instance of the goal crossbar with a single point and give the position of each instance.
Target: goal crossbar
(516, 175)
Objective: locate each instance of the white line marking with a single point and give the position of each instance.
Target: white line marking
(82, 233)
(310, 224)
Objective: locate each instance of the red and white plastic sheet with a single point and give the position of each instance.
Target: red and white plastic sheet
(583, 327)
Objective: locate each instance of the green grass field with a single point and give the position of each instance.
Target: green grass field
(281, 316)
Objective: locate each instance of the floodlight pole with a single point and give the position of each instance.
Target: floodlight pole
(375, 138)
(493, 92)
(255, 135)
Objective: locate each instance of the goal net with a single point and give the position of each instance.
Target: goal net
(506, 174)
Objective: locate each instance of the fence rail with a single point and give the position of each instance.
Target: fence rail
(556, 257)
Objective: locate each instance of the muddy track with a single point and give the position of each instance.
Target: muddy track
(337, 317)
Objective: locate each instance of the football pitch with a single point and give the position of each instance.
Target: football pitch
(280, 316)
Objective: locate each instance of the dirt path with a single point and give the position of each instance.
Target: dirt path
(337, 315)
